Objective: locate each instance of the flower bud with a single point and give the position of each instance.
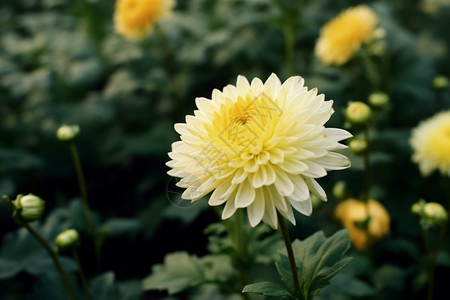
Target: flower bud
(378, 99)
(67, 240)
(339, 189)
(29, 207)
(358, 145)
(67, 133)
(358, 113)
(417, 208)
(434, 214)
(440, 82)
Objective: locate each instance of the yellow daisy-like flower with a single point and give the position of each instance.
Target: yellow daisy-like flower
(352, 211)
(344, 35)
(258, 146)
(431, 144)
(133, 19)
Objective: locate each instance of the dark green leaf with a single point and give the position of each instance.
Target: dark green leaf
(103, 288)
(268, 289)
(119, 227)
(9, 269)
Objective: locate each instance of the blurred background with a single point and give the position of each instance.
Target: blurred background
(61, 62)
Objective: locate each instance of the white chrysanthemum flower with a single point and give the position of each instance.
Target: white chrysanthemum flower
(431, 144)
(258, 146)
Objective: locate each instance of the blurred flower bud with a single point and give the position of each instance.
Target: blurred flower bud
(339, 190)
(67, 133)
(358, 113)
(379, 99)
(29, 207)
(434, 214)
(440, 82)
(67, 240)
(367, 222)
(417, 208)
(358, 145)
(377, 47)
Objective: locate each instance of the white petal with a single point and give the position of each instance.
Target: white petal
(334, 161)
(287, 212)
(304, 207)
(316, 188)
(270, 213)
(221, 193)
(239, 176)
(284, 185)
(245, 195)
(293, 166)
(314, 170)
(301, 192)
(256, 210)
(336, 134)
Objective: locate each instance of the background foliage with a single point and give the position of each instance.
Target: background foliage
(61, 62)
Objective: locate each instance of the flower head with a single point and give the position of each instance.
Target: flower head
(352, 212)
(343, 36)
(431, 144)
(67, 240)
(29, 207)
(133, 19)
(258, 146)
(67, 133)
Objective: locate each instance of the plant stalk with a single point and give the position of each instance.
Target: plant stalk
(290, 252)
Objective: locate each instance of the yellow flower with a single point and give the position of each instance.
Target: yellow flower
(431, 144)
(343, 36)
(258, 146)
(352, 212)
(133, 19)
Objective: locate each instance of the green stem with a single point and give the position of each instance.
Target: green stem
(290, 252)
(289, 45)
(371, 70)
(84, 199)
(83, 190)
(81, 273)
(53, 255)
(432, 253)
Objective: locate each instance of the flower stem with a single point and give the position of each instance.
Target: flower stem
(84, 199)
(81, 274)
(54, 256)
(289, 49)
(432, 257)
(290, 252)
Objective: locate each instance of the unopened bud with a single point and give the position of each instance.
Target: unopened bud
(358, 145)
(358, 113)
(378, 99)
(440, 82)
(67, 133)
(339, 190)
(434, 214)
(67, 240)
(29, 207)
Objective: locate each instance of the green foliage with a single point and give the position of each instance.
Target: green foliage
(318, 259)
(181, 271)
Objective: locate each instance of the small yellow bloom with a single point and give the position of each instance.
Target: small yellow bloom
(431, 144)
(343, 36)
(352, 212)
(133, 19)
(259, 146)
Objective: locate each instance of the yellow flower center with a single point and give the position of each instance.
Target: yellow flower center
(440, 143)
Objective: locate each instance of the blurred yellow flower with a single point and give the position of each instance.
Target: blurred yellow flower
(352, 212)
(258, 146)
(343, 36)
(431, 144)
(133, 19)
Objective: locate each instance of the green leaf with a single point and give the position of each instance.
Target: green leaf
(318, 260)
(119, 227)
(102, 287)
(181, 271)
(8, 268)
(268, 289)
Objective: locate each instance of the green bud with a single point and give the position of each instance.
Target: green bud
(358, 113)
(357, 145)
(378, 99)
(67, 240)
(339, 189)
(434, 214)
(67, 133)
(29, 207)
(417, 208)
(440, 82)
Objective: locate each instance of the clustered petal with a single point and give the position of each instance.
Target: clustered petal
(430, 141)
(259, 146)
(133, 19)
(344, 35)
